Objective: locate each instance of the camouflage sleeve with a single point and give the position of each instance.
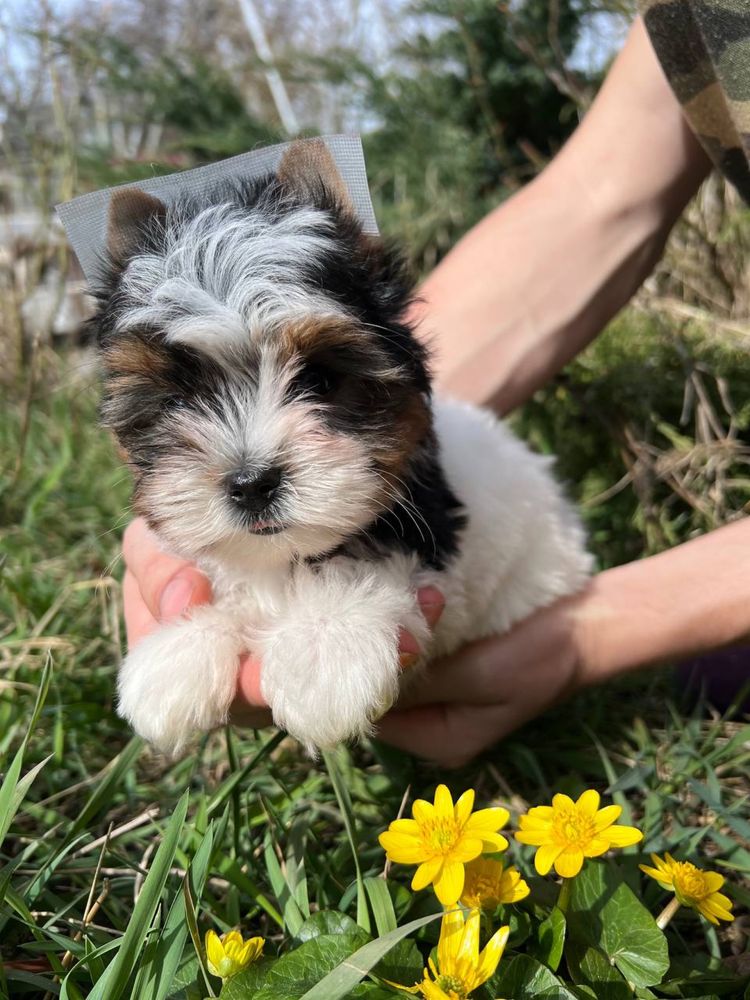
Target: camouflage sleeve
(704, 49)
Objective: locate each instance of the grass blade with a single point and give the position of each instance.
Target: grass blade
(347, 815)
(113, 983)
(162, 957)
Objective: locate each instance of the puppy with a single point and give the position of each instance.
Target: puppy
(275, 409)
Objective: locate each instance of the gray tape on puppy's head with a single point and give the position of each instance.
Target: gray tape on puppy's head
(85, 218)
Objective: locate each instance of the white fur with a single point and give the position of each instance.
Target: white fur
(229, 275)
(328, 635)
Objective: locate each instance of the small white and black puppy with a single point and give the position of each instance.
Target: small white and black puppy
(275, 408)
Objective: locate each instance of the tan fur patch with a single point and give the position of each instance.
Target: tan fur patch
(318, 333)
(129, 361)
(412, 425)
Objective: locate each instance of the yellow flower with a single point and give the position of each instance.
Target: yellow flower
(229, 954)
(567, 832)
(489, 883)
(461, 968)
(441, 838)
(692, 886)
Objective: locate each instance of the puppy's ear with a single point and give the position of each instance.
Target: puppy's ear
(130, 211)
(308, 163)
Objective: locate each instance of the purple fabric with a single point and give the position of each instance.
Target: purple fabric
(721, 675)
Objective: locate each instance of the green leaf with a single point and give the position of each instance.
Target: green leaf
(113, 983)
(292, 975)
(589, 966)
(340, 981)
(523, 976)
(551, 939)
(604, 913)
(403, 964)
(326, 922)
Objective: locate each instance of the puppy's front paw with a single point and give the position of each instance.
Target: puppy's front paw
(331, 666)
(180, 680)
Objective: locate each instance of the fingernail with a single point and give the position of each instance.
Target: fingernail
(431, 603)
(175, 598)
(407, 660)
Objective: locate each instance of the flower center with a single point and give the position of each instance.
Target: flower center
(570, 827)
(689, 881)
(440, 835)
(452, 986)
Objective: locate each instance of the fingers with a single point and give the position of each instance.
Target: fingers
(139, 622)
(432, 605)
(168, 586)
(449, 735)
(248, 682)
(476, 673)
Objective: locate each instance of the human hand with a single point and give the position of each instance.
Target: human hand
(465, 702)
(158, 588)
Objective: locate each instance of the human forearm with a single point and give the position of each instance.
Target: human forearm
(537, 279)
(693, 598)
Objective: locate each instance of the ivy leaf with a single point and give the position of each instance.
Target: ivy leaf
(523, 976)
(296, 972)
(605, 913)
(326, 922)
(403, 964)
(590, 967)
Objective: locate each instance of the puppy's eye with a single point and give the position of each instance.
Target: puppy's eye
(318, 380)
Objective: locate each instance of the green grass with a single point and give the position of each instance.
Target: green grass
(268, 836)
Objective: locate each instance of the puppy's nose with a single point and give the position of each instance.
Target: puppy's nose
(253, 492)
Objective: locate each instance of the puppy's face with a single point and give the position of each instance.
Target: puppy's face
(258, 374)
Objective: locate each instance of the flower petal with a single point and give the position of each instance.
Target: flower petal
(465, 850)
(545, 857)
(467, 955)
(403, 850)
(562, 802)
(463, 807)
(487, 819)
(661, 876)
(714, 881)
(588, 802)
(533, 837)
(449, 943)
(214, 952)
(443, 802)
(426, 873)
(606, 817)
(542, 814)
(407, 827)
(490, 957)
(623, 836)
(569, 862)
(596, 846)
(422, 811)
(494, 842)
(450, 884)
